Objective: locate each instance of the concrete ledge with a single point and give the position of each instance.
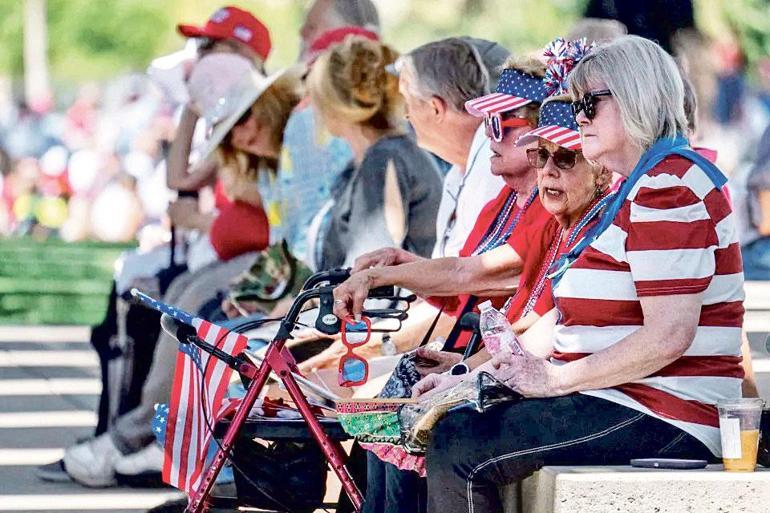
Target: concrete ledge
(632, 490)
(757, 295)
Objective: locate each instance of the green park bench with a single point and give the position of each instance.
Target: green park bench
(55, 282)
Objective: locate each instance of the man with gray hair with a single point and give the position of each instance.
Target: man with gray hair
(436, 80)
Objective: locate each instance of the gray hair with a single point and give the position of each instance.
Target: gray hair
(599, 30)
(690, 102)
(450, 69)
(358, 13)
(643, 79)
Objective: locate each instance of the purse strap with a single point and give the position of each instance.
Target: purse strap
(429, 333)
(455, 333)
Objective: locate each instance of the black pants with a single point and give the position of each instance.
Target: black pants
(472, 453)
(390, 490)
(143, 327)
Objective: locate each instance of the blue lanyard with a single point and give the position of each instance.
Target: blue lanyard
(652, 157)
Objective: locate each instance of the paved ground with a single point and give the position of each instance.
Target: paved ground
(48, 392)
(49, 388)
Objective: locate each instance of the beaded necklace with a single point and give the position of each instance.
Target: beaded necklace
(596, 207)
(495, 235)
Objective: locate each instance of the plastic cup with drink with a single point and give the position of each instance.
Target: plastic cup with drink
(739, 421)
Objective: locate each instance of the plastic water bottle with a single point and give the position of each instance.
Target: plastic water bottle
(496, 331)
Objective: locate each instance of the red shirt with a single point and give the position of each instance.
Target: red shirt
(540, 248)
(673, 235)
(239, 228)
(535, 218)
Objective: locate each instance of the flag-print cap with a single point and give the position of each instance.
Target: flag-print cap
(557, 124)
(515, 89)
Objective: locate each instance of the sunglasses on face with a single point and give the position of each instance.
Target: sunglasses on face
(495, 125)
(588, 103)
(353, 370)
(562, 158)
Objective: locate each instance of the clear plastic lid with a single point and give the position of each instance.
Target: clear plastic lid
(486, 305)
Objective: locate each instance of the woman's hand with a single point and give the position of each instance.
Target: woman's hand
(528, 375)
(428, 361)
(349, 296)
(382, 258)
(433, 384)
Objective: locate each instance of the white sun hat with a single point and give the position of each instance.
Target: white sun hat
(234, 104)
(212, 78)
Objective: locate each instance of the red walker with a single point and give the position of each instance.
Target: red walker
(279, 359)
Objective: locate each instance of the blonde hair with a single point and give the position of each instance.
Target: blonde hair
(530, 66)
(644, 81)
(350, 80)
(272, 110)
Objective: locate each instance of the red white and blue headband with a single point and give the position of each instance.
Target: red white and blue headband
(514, 89)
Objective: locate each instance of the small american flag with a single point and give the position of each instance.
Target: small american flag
(196, 404)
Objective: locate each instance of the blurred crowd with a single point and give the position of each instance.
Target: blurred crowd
(67, 166)
(67, 161)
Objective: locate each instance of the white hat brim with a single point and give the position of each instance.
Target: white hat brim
(247, 99)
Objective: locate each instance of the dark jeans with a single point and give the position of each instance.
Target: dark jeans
(390, 490)
(472, 453)
(756, 259)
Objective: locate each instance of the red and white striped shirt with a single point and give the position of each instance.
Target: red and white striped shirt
(675, 234)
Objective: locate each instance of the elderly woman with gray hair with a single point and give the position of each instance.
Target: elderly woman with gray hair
(623, 366)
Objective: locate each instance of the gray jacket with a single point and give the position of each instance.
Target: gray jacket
(410, 190)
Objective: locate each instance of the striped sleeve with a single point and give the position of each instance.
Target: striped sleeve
(672, 238)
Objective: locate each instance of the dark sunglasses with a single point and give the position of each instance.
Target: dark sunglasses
(496, 125)
(588, 103)
(562, 158)
(353, 370)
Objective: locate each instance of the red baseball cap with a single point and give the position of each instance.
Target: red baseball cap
(334, 36)
(233, 23)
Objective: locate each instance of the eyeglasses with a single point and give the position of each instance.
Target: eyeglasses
(353, 370)
(496, 125)
(588, 103)
(562, 158)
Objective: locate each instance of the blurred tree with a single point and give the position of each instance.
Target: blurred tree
(523, 26)
(88, 39)
(750, 19)
(99, 38)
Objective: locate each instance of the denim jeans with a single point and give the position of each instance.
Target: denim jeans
(390, 490)
(471, 454)
(756, 259)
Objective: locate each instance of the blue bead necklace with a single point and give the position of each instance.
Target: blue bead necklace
(496, 236)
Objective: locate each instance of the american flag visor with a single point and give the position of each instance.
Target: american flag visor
(557, 125)
(514, 89)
